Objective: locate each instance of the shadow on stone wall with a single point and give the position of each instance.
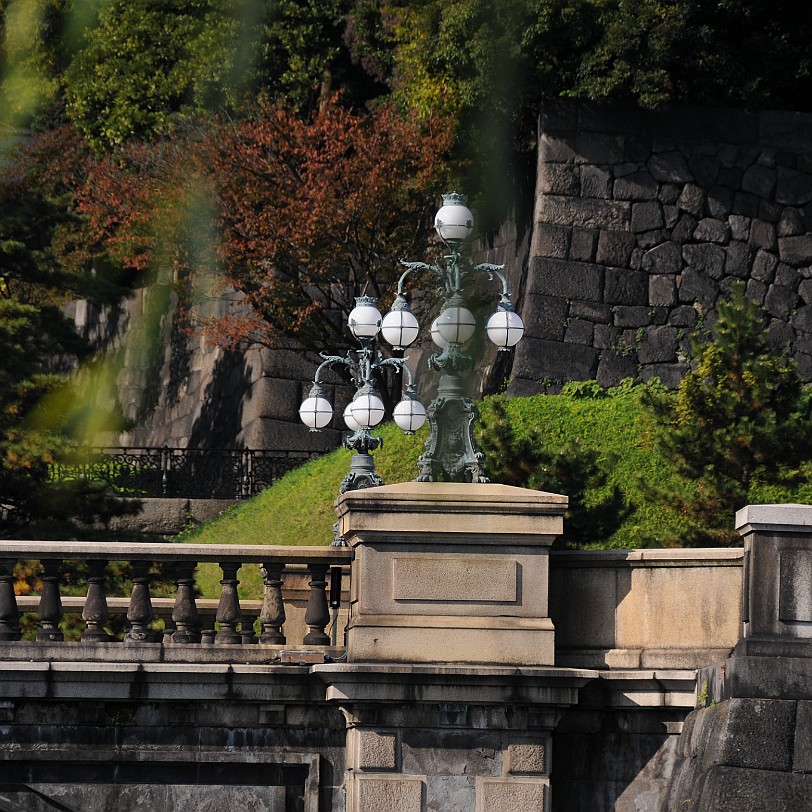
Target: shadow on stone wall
(613, 760)
(221, 411)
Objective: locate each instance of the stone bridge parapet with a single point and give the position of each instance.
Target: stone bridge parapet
(464, 653)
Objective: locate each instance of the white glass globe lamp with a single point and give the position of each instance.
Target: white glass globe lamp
(364, 319)
(505, 329)
(349, 420)
(400, 327)
(454, 222)
(367, 410)
(436, 337)
(456, 324)
(409, 414)
(316, 411)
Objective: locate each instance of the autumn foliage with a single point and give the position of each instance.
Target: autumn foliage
(304, 214)
(316, 211)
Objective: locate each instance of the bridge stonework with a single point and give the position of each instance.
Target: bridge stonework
(472, 669)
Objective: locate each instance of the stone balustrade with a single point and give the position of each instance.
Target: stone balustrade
(479, 669)
(192, 631)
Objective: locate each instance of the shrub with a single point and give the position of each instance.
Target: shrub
(596, 508)
(740, 417)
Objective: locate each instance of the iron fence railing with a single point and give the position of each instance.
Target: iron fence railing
(191, 473)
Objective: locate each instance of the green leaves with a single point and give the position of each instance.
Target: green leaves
(741, 416)
(149, 66)
(530, 460)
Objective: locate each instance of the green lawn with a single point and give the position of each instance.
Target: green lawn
(299, 508)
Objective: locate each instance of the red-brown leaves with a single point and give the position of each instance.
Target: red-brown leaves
(297, 215)
(316, 211)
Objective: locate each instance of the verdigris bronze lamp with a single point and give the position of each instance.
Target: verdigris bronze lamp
(450, 449)
(366, 410)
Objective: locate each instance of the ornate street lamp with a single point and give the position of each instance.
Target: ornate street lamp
(450, 449)
(366, 410)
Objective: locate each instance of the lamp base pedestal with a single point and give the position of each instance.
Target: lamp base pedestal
(451, 453)
(362, 474)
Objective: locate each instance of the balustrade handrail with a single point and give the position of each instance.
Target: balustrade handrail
(234, 622)
(159, 552)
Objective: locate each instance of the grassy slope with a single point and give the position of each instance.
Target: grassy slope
(615, 426)
(299, 508)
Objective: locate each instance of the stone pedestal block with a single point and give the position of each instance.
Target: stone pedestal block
(450, 572)
(777, 596)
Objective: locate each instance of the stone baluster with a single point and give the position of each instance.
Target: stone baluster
(95, 613)
(50, 604)
(184, 613)
(228, 610)
(9, 613)
(247, 636)
(139, 612)
(169, 631)
(317, 615)
(272, 615)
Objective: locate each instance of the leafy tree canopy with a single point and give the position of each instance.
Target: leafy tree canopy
(147, 63)
(500, 53)
(316, 212)
(299, 215)
(38, 273)
(740, 417)
(148, 66)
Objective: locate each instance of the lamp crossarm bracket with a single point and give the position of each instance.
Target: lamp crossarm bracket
(494, 271)
(396, 362)
(330, 360)
(411, 267)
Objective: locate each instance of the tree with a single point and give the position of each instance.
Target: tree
(149, 68)
(493, 63)
(529, 460)
(148, 65)
(32, 58)
(316, 211)
(39, 270)
(740, 416)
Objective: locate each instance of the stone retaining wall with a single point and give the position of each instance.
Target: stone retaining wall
(643, 221)
(180, 391)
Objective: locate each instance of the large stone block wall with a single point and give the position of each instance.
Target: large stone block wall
(643, 221)
(179, 390)
(93, 754)
(744, 754)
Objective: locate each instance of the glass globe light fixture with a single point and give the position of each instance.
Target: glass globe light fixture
(436, 336)
(400, 327)
(316, 411)
(456, 324)
(367, 410)
(454, 222)
(364, 319)
(349, 420)
(505, 328)
(410, 414)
